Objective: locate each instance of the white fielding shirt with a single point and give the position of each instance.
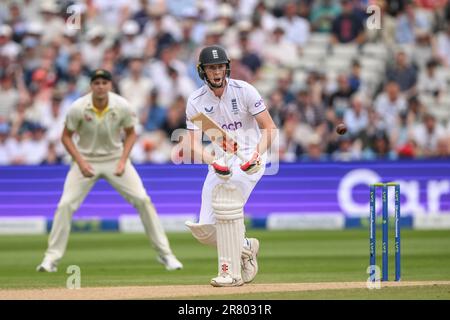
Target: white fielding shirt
(100, 137)
(234, 111)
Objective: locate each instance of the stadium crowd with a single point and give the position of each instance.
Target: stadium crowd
(317, 64)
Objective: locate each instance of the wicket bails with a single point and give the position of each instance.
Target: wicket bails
(385, 228)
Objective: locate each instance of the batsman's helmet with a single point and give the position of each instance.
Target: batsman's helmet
(212, 55)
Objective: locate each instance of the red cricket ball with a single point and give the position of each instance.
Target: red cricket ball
(341, 128)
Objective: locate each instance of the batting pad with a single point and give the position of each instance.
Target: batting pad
(228, 204)
(204, 233)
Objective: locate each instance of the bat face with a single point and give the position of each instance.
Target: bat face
(210, 127)
(215, 133)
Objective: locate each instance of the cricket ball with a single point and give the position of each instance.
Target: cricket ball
(341, 129)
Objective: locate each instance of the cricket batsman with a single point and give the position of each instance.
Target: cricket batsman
(237, 107)
(99, 118)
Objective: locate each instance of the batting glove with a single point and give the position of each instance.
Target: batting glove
(253, 165)
(221, 168)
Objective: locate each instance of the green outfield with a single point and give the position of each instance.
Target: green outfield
(114, 259)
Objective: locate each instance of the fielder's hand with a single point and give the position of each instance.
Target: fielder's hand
(120, 169)
(221, 168)
(253, 165)
(86, 169)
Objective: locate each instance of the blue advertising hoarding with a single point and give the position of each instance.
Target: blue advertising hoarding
(301, 188)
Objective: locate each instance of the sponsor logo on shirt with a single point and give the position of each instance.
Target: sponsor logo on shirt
(232, 126)
(210, 110)
(87, 117)
(259, 103)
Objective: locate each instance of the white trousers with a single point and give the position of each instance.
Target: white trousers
(245, 182)
(76, 188)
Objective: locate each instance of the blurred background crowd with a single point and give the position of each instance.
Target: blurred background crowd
(316, 64)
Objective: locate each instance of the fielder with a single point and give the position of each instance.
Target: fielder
(98, 119)
(237, 107)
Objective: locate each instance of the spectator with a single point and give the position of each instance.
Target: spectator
(37, 146)
(132, 44)
(54, 23)
(135, 87)
(430, 81)
(277, 108)
(52, 156)
(311, 113)
(348, 26)
(442, 148)
(423, 51)
(264, 17)
(379, 148)
(415, 110)
(401, 135)
(355, 76)
(442, 47)
(356, 118)
(4, 149)
(294, 137)
(279, 51)
(427, 135)
(389, 104)
(403, 73)
(53, 117)
(410, 22)
(153, 116)
(8, 48)
(93, 50)
(314, 151)
(322, 15)
(239, 70)
(111, 13)
(176, 116)
(250, 58)
(285, 87)
(346, 150)
(16, 21)
(339, 101)
(181, 84)
(9, 96)
(168, 81)
(295, 27)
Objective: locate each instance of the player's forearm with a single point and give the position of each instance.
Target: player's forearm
(71, 148)
(267, 137)
(128, 144)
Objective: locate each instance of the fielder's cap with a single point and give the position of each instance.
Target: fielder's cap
(101, 73)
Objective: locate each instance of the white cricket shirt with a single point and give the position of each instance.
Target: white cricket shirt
(100, 137)
(234, 111)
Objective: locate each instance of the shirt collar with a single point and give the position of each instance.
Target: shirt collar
(211, 92)
(110, 106)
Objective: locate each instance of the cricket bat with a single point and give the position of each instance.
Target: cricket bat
(215, 132)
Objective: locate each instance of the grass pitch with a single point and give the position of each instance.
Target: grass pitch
(115, 259)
